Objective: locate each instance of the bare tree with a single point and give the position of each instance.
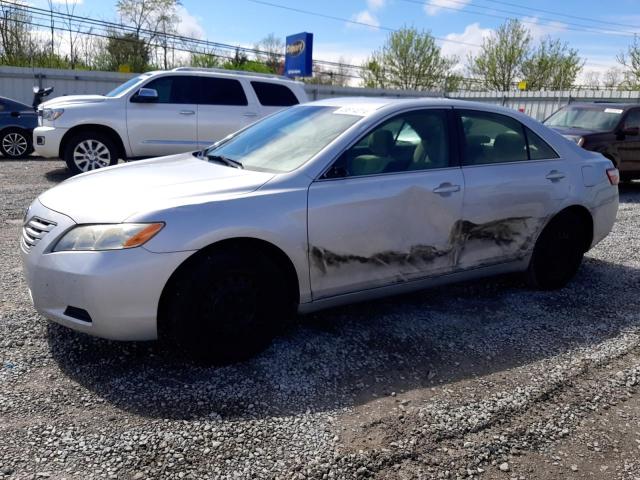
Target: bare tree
(612, 78)
(17, 45)
(270, 52)
(630, 60)
(150, 20)
(592, 80)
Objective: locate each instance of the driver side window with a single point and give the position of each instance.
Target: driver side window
(411, 141)
(633, 119)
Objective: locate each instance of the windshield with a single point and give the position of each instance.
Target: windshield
(126, 85)
(284, 141)
(587, 118)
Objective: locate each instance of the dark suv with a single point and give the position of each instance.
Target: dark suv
(612, 129)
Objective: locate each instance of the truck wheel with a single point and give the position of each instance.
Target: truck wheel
(224, 306)
(15, 143)
(89, 151)
(557, 254)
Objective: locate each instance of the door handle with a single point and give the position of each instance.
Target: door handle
(250, 114)
(446, 188)
(187, 112)
(554, 175)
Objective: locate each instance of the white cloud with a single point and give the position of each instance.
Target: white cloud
(190, 25)
(433, 7)
(539, 30)
(367, 18)
(472, 35)
(375, 4)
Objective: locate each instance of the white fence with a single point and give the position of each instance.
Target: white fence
(17, 83)
(540, 105)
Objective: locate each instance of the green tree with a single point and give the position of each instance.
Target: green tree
(551, 66)
(410, 59)
(125, 49)
(502, 54)
(205, 60)
(630, 60)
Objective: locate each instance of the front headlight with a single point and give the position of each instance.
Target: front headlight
(107, 237)
(52, 114)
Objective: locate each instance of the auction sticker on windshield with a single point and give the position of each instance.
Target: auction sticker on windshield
(613, 110)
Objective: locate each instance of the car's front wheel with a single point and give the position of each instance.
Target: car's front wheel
(224, 305)
(558, 252)
(89, 151)
(15, 143)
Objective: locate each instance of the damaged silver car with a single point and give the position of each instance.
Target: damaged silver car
(322, 204)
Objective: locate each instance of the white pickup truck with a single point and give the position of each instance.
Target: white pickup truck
(158, 113)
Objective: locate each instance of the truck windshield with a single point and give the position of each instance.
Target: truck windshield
(126, 86)
(284, 141)
(597, 118)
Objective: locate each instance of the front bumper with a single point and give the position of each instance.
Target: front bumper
(46, 141)
(119, 290)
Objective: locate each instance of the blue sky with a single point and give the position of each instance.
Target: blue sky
(243, 22)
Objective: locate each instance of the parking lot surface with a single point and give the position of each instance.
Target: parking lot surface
(480, 380)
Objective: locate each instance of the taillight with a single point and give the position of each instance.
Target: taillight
(614, 176)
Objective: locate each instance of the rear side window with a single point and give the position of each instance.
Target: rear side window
(538, 148)
(274, 94)
(221, 91)
(493, 138)
(175, 89)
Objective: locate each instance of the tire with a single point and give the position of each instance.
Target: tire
(224, 306)
(90, 151)
(558, 253)
(15, 143)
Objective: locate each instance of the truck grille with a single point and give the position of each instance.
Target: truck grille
(34, 230)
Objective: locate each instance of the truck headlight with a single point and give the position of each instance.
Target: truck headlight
(107, 237)
(52, 114)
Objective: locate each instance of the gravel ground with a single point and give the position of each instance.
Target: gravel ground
(480, 380)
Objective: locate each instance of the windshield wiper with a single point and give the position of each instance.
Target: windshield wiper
(225, 161)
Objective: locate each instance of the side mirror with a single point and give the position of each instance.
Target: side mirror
(631, 131)
(145, 95)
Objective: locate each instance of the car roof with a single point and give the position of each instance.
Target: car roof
(369, 105)
(223, 72)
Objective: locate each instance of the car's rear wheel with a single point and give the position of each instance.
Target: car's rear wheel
(15, 143)
(224, 306)
(558, 253)
(90, 151)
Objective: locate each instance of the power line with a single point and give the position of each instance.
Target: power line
(551, 12)
(45, 15)
(566, 25)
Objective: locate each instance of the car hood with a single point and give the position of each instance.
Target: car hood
(72, 99)
(116, 193)
(574, 132)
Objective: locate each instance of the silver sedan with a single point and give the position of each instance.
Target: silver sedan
(322, 204)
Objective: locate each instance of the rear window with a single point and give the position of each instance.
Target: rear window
(274, 94)
(221, 91)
